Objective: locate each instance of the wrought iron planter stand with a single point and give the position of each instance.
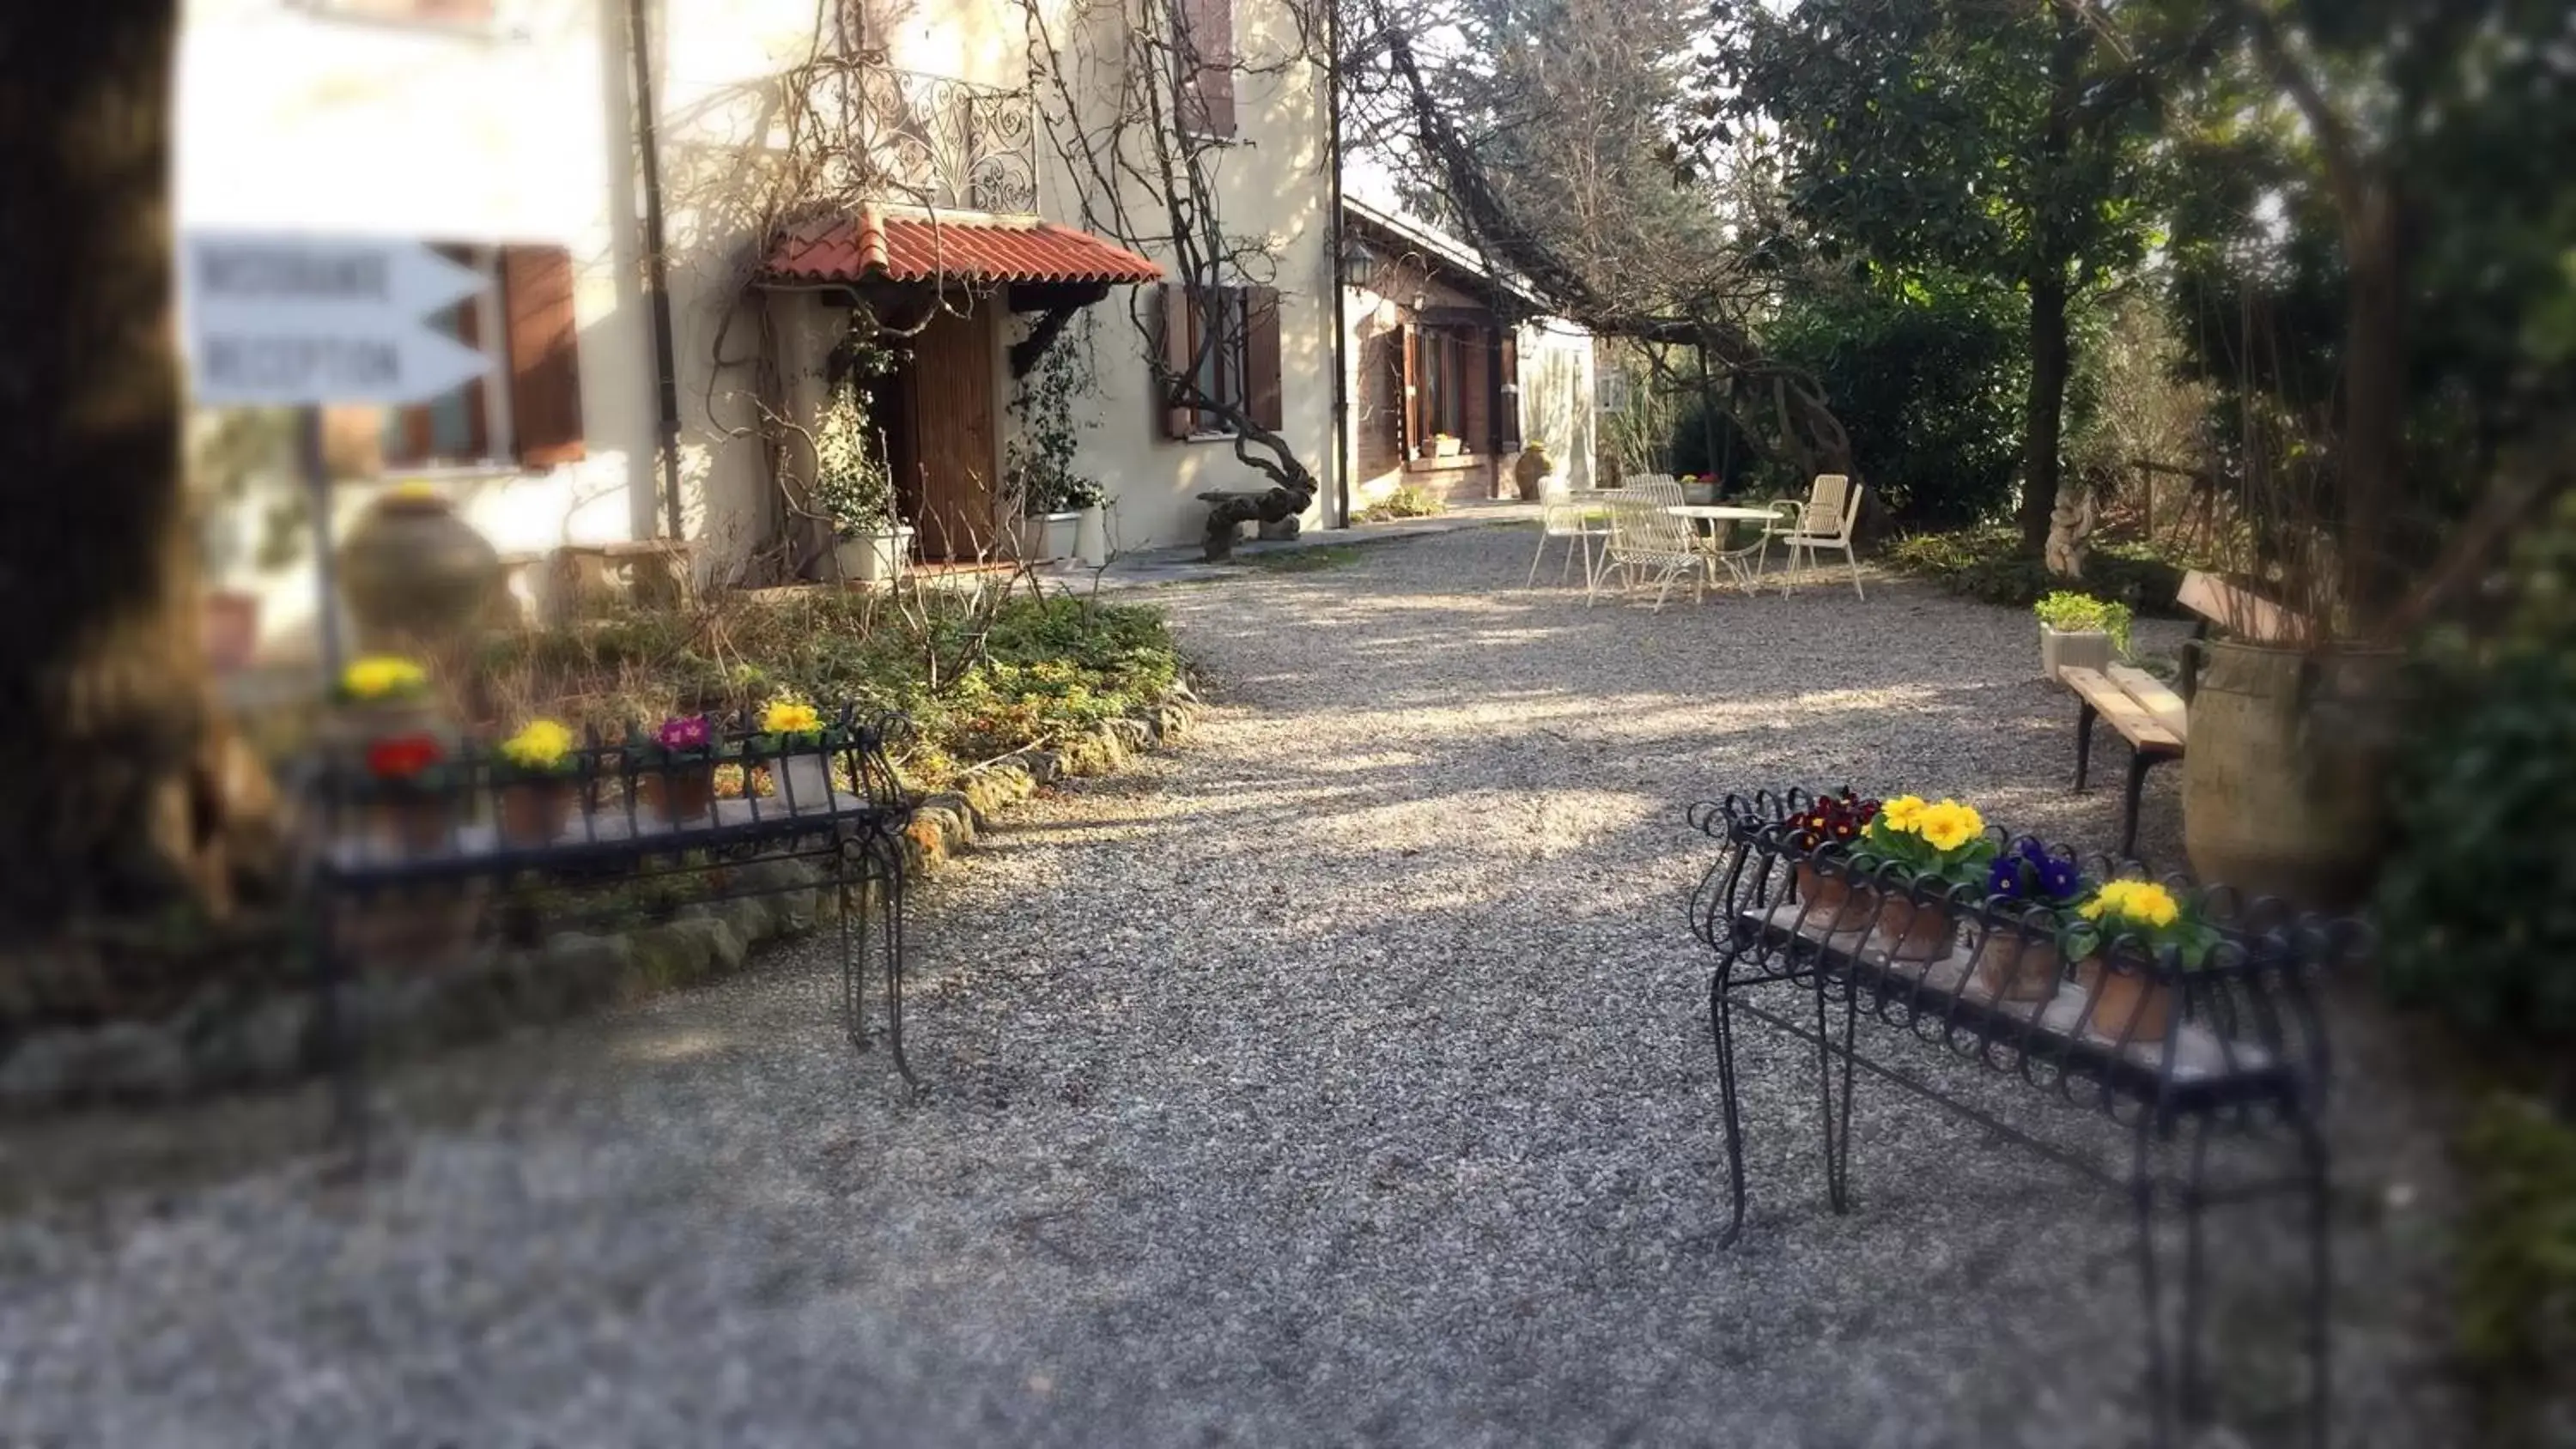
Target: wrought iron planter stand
(361, 877)
(2244, 1051)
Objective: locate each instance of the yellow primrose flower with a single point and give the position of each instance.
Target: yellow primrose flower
(542, 745)
(1902, 813)
(2140, 901)
(382, 676)
(1949, 825)
(790, 717)
(415, 490)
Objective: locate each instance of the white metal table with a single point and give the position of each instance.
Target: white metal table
(1728, 513)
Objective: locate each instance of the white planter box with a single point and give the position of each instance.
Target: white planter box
(2082, 649)
(875, 557)
(1048, 537)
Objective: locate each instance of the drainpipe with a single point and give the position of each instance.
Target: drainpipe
(657, 271)
(1341, 293)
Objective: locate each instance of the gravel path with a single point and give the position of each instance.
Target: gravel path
(1340, 1078)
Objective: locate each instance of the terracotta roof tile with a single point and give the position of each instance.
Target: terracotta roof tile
(873, 246)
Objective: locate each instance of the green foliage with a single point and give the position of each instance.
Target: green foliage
(1925, 370)
(2478, 901)
(2073, 613)
(1407, 501)
(1034, 672)
(1037, 463)
(2517, 1267)
(1987, 564)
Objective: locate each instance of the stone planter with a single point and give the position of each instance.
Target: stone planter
(2013, 967)
(412, 570)
(679, 793)
(2076, 649)
(2128, 1005)
(1091, 537)
(875, 557)
(2283, 789)
(1048, 537)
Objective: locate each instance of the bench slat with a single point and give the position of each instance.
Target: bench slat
(2126, 715)
(2163, 703)
(2240, 610)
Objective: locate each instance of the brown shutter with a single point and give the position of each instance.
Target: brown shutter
(1408, 346)
(1211, 25)
(1177, 356)
(545, 356)
(1261, 356)
(1507, 402)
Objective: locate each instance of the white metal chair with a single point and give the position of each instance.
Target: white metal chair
(1825, 523)
(1576, 520)
(1647, 543)
(1745, 564)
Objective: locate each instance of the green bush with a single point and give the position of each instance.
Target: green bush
(1406, 501)
(1987, 563)
(1927, 373)
(2517, 1266)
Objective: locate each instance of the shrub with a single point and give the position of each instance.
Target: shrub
(2073, 613)
(975, 684)
(1987, 563)
(1407, 501)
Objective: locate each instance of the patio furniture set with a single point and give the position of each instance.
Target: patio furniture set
(1645, 533)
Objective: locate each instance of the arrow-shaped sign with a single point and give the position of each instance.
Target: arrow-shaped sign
(283, 320)
(231, 272)
(281, 365)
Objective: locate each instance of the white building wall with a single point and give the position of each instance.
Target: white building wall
(288, 118)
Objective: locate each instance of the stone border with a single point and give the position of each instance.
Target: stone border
(219, 1041)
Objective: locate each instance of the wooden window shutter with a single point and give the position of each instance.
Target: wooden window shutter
(1211, 42)
(1408, 346)
(545, 355)
(1507, 392)
(1178, 354)
(1261, 357)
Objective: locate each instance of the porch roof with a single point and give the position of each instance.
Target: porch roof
(873, 245)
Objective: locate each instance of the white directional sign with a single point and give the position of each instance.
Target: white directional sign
(294, 320)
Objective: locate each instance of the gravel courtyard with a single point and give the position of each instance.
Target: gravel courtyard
(1340, 1078)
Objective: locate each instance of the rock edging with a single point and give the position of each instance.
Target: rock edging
(218, 1040)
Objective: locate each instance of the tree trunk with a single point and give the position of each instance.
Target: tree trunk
(113, 785)
(2045, 417)
(2374, 382)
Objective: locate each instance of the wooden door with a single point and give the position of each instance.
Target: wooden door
(952, 435)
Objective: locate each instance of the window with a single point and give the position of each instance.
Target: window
(1447, 371)
(1203, 56)
(524, 412)
(1225, 342)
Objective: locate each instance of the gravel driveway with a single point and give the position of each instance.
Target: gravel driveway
(1341, 1078)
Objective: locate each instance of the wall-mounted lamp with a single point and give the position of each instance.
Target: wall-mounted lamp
(1359, 266)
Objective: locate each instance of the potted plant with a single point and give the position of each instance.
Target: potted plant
(2036, 891)
(793, 734)
(411, 791)
(2119, 933)
(1445, 446)
(1832, 826)
(1038, 458)
(535, 771)
(1054, 533)
(1697, 487)
(2079, 631)
(854, 488)
(676, 767)
(1935, 846)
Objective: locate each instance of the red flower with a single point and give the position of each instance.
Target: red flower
(402, 756)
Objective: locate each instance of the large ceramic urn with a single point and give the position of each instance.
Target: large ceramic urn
(414, 572)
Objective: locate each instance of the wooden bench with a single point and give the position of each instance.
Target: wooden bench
(2152, 718)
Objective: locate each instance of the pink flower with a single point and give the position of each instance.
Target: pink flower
(686, 733)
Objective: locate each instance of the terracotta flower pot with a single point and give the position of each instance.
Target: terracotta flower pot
(2127, 1005)
(414, 825)
(533, 812)
(680, 793)
(1835, 906)
(1909, 930)
(2013, 967)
